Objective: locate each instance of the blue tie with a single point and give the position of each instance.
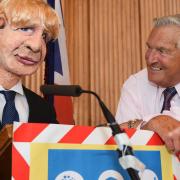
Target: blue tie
(169, 93)
(10, 113)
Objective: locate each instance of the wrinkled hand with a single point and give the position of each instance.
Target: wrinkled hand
(168, 129)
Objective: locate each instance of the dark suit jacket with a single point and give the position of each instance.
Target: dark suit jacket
(40, 111)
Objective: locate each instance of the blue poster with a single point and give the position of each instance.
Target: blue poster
(75, 164)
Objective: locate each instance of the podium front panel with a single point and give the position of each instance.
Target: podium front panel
(84, 153)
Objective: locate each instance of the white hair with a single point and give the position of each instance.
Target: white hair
(168, 20)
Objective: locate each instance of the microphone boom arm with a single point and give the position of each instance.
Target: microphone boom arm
(126, 156)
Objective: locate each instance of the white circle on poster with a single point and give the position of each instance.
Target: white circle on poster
(148, 174)
(69, 175)
(110, 174)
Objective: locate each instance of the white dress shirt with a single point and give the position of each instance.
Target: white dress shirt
(142, 99)
(20, 102)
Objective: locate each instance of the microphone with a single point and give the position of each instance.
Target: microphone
(126, 157)
(61, 90)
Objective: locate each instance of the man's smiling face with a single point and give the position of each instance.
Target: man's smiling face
(163, 56)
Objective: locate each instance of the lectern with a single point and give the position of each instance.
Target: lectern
(5, 152)
(53, 151)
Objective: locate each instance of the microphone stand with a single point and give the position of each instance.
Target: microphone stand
(122, 140)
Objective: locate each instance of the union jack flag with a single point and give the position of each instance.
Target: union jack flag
(57, 70)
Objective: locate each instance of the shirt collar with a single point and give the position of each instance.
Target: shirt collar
(177, 86)
(17, 88)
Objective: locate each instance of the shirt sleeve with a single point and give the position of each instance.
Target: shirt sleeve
(129, 106)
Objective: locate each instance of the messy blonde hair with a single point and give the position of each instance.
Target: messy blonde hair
(27, 12)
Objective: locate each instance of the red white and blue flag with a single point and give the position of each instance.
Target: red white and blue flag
(57, 70)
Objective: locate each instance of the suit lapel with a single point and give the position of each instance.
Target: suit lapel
(31, 104)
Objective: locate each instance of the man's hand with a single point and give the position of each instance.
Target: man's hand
(168, 129)
(130, 124)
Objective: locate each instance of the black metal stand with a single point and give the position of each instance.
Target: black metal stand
(115, 130)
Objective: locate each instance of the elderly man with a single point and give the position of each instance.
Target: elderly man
(150, 99)
(25, 28)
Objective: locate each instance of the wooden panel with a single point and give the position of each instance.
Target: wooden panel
(77, 31)
(114, 37)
